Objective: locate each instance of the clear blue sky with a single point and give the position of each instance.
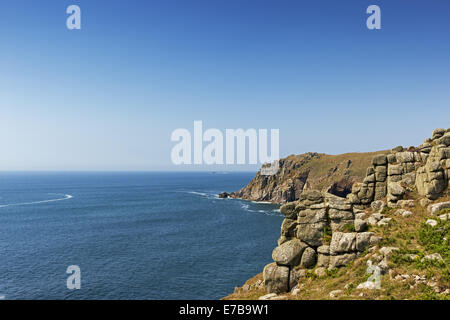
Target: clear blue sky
(108, 96)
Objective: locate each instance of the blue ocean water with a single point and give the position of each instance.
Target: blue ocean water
(133, 235)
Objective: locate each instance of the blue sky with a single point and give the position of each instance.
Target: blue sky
(108, 96)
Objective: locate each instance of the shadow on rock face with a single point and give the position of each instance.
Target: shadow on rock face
(342, 187)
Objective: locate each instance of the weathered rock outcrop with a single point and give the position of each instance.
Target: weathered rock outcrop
(324, 230)
(314, 234)
(433, 175)
(276, 278)
(223, 195)
(424, 169)
(286, 185)
(289, 253)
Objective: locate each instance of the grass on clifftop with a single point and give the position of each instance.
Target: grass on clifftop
(327, 169)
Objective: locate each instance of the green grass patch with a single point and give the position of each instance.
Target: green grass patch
(387, 210)
(436, 239)
(327, 233)
(349, 227)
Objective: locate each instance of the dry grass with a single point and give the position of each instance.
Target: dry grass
(253, 294)
(326, 169)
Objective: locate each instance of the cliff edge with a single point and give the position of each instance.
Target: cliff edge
(330, 173)
(379, 230)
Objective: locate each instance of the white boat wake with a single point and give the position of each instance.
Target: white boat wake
(66, 197)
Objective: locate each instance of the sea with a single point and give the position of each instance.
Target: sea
(131, 235)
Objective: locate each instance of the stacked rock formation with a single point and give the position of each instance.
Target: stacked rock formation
(314, 234)
(326, 231)
(373, 186)
(424, 169)
(433, 177)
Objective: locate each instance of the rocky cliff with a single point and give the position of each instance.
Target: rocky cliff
(332, 173)
(394, 219)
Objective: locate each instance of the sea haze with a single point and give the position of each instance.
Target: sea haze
(134, 235)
